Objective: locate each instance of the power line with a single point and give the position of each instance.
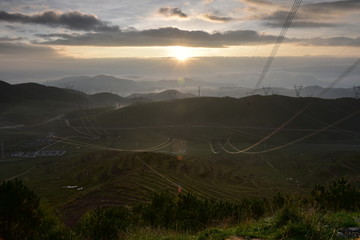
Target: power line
(99, 147)
(297, 140)
(278, 42)
(161, 175)
(337, 80)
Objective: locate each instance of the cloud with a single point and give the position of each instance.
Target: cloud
(176, 37)
(215, 18)
(258, 2)
(73, 20)
(172, 12)
(333, 7)
(301, 20)
(162, 37)
(9, 39)
(313, 15)
(334, 41)
(25, 50)
(301, 24)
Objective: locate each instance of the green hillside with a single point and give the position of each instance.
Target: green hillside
(254, 111)
(94, 172)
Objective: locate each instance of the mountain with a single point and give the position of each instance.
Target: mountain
(278, 79)
(181, 83)
(161, 96)
(306, 91)
(99, 83)
(31, 102)
(253, 111)
(34, 91)
(231, 85)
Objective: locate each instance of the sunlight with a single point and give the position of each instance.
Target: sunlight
(181, 53)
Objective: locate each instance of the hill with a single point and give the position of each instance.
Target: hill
(32, 102)
(34, 91)
(253, 111)
(94, 171)
(99, 83)
(161, 96)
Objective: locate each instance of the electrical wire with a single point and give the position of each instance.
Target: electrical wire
(279, 40)
(99, 147)
(297, 114)
(294, 141)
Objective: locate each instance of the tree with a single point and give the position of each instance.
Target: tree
(20, 215)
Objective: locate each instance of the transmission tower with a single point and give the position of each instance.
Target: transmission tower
(275, 92)
(266, 90)
(298, 90)
(357, 91)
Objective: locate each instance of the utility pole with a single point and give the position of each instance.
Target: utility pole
(357, 91)
(2, 148)
(297, 90)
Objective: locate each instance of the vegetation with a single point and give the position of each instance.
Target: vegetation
(223, 195)
(20, 215)
(184, 216)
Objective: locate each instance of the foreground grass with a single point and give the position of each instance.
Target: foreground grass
(327, 213)
(311, 225)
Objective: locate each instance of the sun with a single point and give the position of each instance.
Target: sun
(180, 53)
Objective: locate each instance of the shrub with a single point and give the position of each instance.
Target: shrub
(20, 216)
(340, 195)
(104, 223)
(213, 234)
(288, 214)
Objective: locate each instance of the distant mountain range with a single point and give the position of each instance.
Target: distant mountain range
(312, 87)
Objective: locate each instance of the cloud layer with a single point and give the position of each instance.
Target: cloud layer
(163, 37)
(73, 20)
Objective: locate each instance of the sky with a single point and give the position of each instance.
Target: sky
(219, 40)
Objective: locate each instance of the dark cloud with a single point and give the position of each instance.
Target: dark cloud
(258, 2)
(10, 38)
(214, 18)
(177, 37)
(333, 7)
(172, 12)
(334, 41)
(72, 20)
(312, 15)
(302, 20)
(163, 37)
(302, 24)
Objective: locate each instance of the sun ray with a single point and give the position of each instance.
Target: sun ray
(181, 53)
